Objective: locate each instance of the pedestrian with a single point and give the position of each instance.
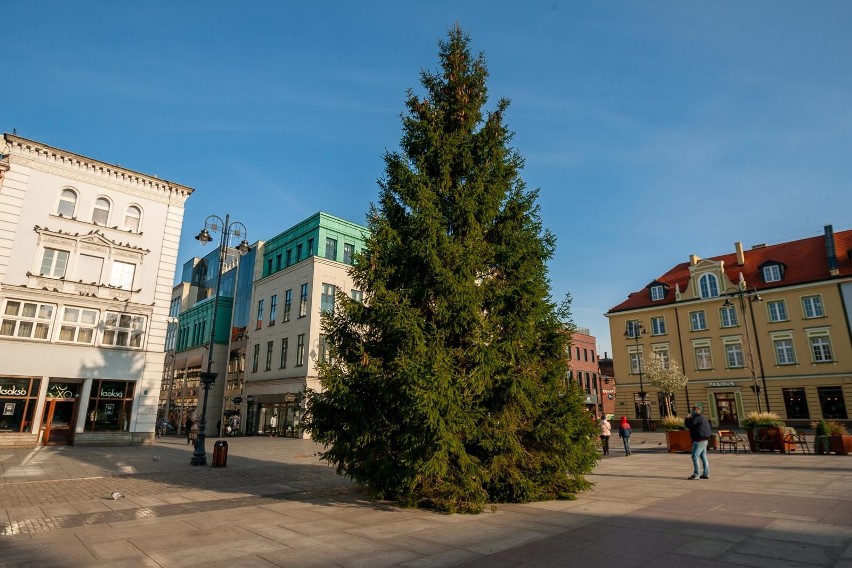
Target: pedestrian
(606, 432)
(624, 434)
(700, 432)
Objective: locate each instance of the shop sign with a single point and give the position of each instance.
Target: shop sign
(720, 384)
(111, 393)
(591, 399)
(13, 391)
(60, 391)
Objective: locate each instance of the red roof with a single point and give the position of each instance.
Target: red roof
(804, 261)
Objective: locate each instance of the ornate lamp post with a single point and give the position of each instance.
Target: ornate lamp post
(634, 330)
(741, 292)
(228, 229)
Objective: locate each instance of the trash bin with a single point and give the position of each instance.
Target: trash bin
(220, 453)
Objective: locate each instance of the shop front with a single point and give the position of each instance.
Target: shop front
(19, 402)
(279, 415)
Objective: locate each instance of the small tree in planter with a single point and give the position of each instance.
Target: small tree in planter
(764, 423)
(677, 436)
(839, 440)
(820, 436)
(667, 376)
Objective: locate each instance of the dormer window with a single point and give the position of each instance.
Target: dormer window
(708, 286)
(772, 273)
(657, 292)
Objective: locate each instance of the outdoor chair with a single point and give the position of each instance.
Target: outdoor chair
(731, 440)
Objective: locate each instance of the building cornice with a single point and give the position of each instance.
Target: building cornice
(81, 168)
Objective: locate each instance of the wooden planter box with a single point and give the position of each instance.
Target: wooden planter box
(768, 439)
(678, 441)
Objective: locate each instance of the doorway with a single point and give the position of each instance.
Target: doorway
(58, 423)
(726, 408)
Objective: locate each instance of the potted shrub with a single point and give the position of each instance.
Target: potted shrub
(766, 428)
(677, 436)
(839, 440)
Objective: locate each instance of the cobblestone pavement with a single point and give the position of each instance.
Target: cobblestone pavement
(275, 504)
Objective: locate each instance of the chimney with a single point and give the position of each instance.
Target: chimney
(693, 259)
(740, 254)
(831, 255)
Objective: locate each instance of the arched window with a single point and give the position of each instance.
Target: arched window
(100, 216)
(132, 219)
(708, 286)
(67, 203)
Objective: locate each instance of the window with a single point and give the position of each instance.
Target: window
(697, 321)
(796, 403)
(132, 219)
(259, 322)
(28, 320)
(54, 262)
(67, 203)
(255, 358)
(812, 307)
(303, 301)
(327, 300)
(78, 325)
(300, 350)
(734, 355)
(777, 310)
(310, 247)
(289, 257)
(100, 215)
(635, 362)
(585, 354)
(283, 363)
(268, 355)
(122, 274)
(658, 326)
(820, 349)
(703, 358)
(831, 402)
(348, 253)
(288, 302)
(109, 405)
(324, 349)
(657, 293)
(331, 248)
(89, 268)
(298, 252)
(358, 296)
(728, 316)
(278, 262)
(634, 329)
(772, 273)
(708, 286)
(784, 353)
(661, 352)
(123, 330)
(268, 267)
(273, 308)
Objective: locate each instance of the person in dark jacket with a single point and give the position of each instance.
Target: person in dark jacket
(624, 433)
(700, 432)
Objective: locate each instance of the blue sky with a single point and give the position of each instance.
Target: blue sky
(653, 129)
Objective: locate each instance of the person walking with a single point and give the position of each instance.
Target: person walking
(606, 432)
(700, 432)
(624, 433)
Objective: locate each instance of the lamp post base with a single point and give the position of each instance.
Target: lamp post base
(199, 456)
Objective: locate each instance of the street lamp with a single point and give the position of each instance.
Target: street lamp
(634, 330)
(228, 229)
(741, 292)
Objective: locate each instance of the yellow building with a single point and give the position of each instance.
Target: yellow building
(760, 329)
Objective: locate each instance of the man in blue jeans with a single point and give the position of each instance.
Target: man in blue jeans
(700, 432)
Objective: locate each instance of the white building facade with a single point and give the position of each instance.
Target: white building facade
(87, 258)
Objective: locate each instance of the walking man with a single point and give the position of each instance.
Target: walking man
(699, 431)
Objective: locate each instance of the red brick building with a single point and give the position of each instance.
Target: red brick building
(584, 369)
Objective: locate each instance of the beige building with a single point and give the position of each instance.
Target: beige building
(87, 258)
(298, 274)
(765, 328)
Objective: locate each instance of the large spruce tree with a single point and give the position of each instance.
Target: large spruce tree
(448, 387)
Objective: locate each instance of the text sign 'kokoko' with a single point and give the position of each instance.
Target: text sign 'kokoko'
(111, 394)
(12, 391)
